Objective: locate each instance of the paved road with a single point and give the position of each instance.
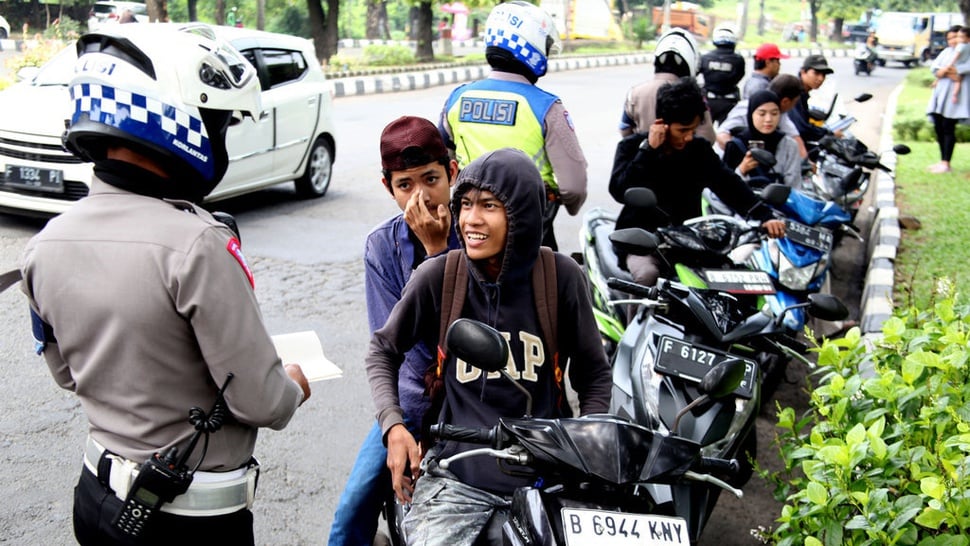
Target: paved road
(307, 259)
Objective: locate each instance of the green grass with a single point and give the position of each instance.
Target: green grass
(941, 202)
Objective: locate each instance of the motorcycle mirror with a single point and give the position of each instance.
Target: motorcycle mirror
(635, 241)
(775, 194)
(478, 344)
(723, 379)
(640, 197)
(901, 149)
(826, 307)
(863, 97)
(763, 157)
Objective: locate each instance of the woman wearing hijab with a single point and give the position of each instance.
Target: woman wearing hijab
(764, 114)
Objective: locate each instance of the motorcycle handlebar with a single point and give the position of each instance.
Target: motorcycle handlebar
(712, 465)
(471, 435)
(632, 288)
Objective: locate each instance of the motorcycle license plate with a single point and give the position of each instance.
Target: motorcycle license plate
(739, 281)
(818, 238)
(678, 358)
(602, 528)
(34, 178)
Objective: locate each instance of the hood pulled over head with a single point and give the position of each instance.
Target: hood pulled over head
(514, 179)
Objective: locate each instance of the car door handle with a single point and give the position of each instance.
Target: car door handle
(263, 115)
(311, 101)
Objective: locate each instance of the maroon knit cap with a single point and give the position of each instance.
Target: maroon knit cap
(410, 141)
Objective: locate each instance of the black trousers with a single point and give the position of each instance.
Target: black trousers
(720, 108)
(946, 135)
(95, 507)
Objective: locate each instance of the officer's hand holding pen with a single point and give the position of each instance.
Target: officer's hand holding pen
(296, 374)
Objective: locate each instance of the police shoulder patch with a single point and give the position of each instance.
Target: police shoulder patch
(569, 120)
(235, 250)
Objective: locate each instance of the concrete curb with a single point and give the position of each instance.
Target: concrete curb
(424, 79)
(884, 236)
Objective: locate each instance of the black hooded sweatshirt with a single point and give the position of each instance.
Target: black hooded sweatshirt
(507, 305)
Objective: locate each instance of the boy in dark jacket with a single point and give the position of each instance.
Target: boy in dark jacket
(677, 166)
(497, 201)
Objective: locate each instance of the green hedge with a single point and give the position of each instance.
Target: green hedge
(882, 456)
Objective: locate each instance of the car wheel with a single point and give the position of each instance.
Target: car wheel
(319, 168)
(3, 34)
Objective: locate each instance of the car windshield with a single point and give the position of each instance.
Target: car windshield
(58, 70)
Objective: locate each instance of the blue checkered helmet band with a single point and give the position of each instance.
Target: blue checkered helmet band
(523, 51)
(147, 119)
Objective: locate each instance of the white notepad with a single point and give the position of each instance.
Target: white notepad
(304, 348)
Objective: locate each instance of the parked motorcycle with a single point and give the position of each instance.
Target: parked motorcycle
(678, 335)
(844, 166)
(595, 475)
(703, 252)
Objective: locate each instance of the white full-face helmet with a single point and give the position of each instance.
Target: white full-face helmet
(166, 91)
(524, 31)
(677, 49)
(724, 36)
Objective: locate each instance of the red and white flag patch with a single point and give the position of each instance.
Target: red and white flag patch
(235, 249)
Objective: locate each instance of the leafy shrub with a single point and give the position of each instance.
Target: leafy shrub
(63, 28)
(883, 453)
(293, 20)
(640, 30)
(388, 55)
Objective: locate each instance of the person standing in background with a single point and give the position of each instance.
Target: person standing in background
(944, 111)
(722, 70)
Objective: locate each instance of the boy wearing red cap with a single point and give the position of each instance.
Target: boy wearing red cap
(418, 174)
(767, 64)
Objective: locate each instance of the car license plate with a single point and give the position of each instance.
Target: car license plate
(812, 237)
(691, 362)
(602, 528)
(34, 178)
(739, 281)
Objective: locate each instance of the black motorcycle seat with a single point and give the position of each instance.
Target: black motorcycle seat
(604, 249)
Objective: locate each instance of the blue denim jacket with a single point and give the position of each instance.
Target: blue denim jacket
(388, 259)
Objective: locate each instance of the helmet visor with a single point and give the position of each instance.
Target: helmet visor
(225, 68)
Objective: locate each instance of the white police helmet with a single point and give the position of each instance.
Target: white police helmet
(677, 47)
(724, 35)
(525, 31)
(167, 91)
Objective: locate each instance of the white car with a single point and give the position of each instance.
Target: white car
(292, 139)
(4, 28)
(110, 12)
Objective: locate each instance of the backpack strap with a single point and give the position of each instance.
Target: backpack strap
(545, 290)
(453, 290)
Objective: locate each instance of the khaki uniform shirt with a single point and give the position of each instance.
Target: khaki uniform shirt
(641, 106)
(151, 306)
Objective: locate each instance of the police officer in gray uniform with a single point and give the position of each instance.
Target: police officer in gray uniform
(143, 304)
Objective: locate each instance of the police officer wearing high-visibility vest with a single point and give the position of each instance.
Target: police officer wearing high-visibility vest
(507, 109)
(142, 302)
(722, 69)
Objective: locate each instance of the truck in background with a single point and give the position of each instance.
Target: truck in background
(685, 15)
(583, 19)
(941, 22)
(902, 37)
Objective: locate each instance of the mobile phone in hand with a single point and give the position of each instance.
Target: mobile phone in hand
(756, 144)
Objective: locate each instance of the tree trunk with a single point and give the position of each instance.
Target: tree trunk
(744, 21)
(423, 51)
(220, 12)
(385, 29)
(837, 25)
(193, 12)
(323, 27)
(965, 10)
(813, 5)
(157, 10)
(260, 14)
(372, 27)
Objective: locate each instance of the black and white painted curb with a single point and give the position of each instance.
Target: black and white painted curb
(424, 79)
(884, 236)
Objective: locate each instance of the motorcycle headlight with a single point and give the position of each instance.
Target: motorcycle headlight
(794, 278)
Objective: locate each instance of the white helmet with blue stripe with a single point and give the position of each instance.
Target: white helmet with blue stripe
(167, 91)
(524, 30)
